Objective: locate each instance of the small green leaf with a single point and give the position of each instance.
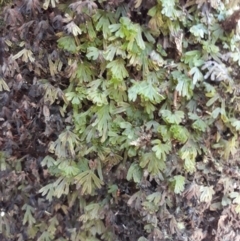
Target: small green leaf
(118, 69)
(61, 186)
(103, 121)
(45, 236)
(113, 189)
(135, 173)
(213, 100)
(3, 85)
(28, 216)
(199, 30)
(161, 149)
(237, 209)
(142, 239)
(235, 123)
(184, 84)
(92, 53)
(197, 75)
(48, 161)
(230, 148)
(188, 154)
(68, 169)
(172, 118)
(88, 182)
(193, 58)
(49, 190)
(165, 134)
(65, 145)
(138, 37)
(146, 90)
(53, 225)
(179, 182)
(216, 112)
(153, 164)
(67, 43)
(155, 197)
(235, 196)
(103, 20)
(84, 72)
(200, 125)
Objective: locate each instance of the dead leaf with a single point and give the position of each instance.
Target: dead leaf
(198, 235)
(137, 3)
(46, 113)
(192, 191)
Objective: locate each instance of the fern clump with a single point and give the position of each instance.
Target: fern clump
(139, 104)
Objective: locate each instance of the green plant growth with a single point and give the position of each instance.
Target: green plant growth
(152, 92)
